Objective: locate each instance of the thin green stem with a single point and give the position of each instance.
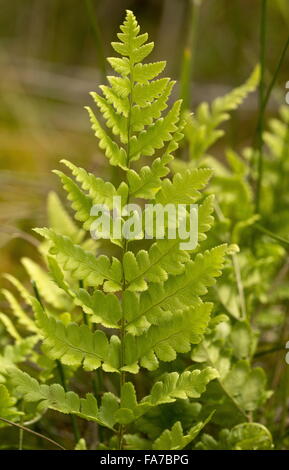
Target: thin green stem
(264, 352)
(276, 73)
(264, 98)
(260, 124)
(272, 235)
(121, 429)
(24, 428)
(187, 65)
(240, 287)
(92, 16)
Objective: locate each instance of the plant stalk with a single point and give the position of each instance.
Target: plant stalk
(24, 428)
(187, 66)
(260, 125)
(92, 16)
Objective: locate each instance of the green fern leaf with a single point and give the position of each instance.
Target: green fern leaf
(145, 72)
(25, 294)
(60, 220)
(80, 203)
(172, 386)
(163, 341)
(47, 288)
(201, 129)
(55, 398)
(99, 191)
(155, 135)
(74, 345)
(181, 386)
(82, 265)
(116, 155)
(164, 257)
(22, 316)
(174, 439)
(103, 308)
(115, 121)
(178, 291)
(17, 353)
(184, 189)
(8, 409)
(10, 328)
(142, 116)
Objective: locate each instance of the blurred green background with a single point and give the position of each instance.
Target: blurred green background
(52, 55)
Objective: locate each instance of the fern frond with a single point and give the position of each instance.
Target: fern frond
(10, 327)
(120, 86)
(80, 202)
(102, 308)
(201, 129)
(82, 265)
(155, 135)
(175, 439)
(55, 398)
(115, 121)
(120, 65)
(145, 94)
(8, 408)
(144, 72)
(205, 218)
(148, 182)
(99, 191)
(60, 220)
(17, 353)
(47, 288)
(180, 386)
(171, 387)
(21, 315)
(116, 155)
(121, 105)
(132, 44)
(178, 291)
(144, 116)
(25, 294)
(164, 257)
(162, 342)
(74, 345)
(184, 189)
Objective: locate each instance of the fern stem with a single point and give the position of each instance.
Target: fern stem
(123, 324)
(260, 124)
(60, 370)
(92, 16)
(272, 235)
(24, 428)
(264, 352)
(240, 287)
(276, 73)
(187, 66)
(264, 98)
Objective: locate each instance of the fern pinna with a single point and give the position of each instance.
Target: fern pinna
(138, 311)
